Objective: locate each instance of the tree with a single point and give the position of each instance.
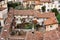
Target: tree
(58, 18)
(55, 11)
(20, 7)
(43, 8)
(13, 5)
(9, 4)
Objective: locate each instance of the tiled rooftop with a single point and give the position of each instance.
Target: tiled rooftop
(38, 0)
(2, 8)
(35, 36)
(37, 14)
(51, 35)
(1, 18)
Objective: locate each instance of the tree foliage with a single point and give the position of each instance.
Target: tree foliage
(55, 11)
(43, 8)
(56, 14)
(58, 18)
(13, 5)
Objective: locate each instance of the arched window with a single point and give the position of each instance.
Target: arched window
(50, 26)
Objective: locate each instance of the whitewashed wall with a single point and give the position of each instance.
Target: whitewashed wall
(40, 20)
(54, 26)
(49, 6)
(2, 23)
(3, 14)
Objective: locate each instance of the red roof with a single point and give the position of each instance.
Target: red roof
(45, 1)
(2, 8)
(38, 0)
(50, 22)
(1, 18)
(52, 35)
(35, 36)
(51, 19)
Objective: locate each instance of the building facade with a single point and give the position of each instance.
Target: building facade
(55, 4)
(3, 15)
(45, 20)
(49, 6)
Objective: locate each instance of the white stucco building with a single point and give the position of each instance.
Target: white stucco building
(3, 15)
(55, 4)
(44, 19)
(49, 6)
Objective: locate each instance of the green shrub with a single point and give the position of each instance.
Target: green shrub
(28, 26)
(19, 7)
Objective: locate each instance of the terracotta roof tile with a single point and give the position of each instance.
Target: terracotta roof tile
(51, 19)
(45, 0)
(24, 12)
(51, 35)
(46, 14)
(31, 0)
(33, 13)
(2, 8)
(38, 0)
(35, 36)
(1, 18)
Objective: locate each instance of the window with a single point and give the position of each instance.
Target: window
(43, 23)
(51, 5)
(47, 9)
(59, 5)
(37, 18)
(50, 26)
(59, 1)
